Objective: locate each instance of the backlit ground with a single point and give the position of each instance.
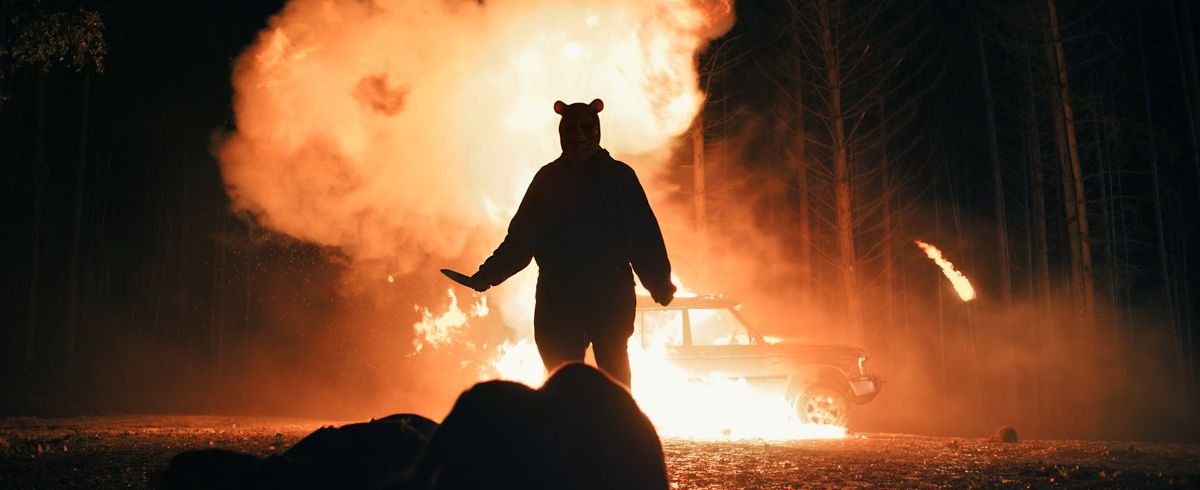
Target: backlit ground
(123, 451)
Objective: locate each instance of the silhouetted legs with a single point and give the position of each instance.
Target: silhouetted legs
(612, 356)
(560, 344)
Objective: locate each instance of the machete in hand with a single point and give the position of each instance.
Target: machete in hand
(459, 277)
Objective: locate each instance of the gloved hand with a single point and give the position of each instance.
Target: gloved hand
(478, 284)
(664, 296)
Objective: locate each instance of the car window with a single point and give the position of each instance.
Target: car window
(717, 326)
(661, 327)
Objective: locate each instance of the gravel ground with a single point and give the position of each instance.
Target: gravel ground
(124, 451)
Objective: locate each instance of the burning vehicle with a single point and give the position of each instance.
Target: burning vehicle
(706, 336)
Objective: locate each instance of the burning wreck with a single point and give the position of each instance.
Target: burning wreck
(706, 337)
(415, 113)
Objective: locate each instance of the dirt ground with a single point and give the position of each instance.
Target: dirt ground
(124, 451)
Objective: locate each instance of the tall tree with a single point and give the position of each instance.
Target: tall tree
(1191, 77)
(42, 40)
(1073, 183)
(849, 59)
(836, 119)
(1040, 252)
(1000, 225)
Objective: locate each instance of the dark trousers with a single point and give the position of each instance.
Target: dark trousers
(559, 344)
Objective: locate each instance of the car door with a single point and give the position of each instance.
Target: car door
(718, 342)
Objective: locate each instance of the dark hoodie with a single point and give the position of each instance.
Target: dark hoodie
(585, 223)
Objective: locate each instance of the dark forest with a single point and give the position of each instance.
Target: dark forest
(1049, 148)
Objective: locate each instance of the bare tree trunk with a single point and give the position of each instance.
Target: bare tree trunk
(805, 224)
(1183, 21)
(1126, 290)
(1185, 38)
(35, 256)
(70, 338)
(1060, 147)
(1109, 214)
(886, 194)
(699, 193)
(1074, 178)
(997, 174)
(1185, 320)
(841, 175)
(800, 167)
(1031, 340)
(1114, 221)
(1068, 200)
(1040, 251)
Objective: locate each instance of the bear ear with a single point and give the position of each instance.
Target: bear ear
(597, 105)
(559, 107)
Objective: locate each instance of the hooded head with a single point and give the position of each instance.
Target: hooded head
(579, 129)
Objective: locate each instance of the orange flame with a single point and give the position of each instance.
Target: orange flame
(404, 132)
(715, 408)
(957, 279)
(435, 330)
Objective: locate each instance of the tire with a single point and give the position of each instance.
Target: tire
(822, 404)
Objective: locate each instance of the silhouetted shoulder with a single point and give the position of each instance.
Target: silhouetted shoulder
(625, 171)
(209, 468)
(597, 436)
(488, 440)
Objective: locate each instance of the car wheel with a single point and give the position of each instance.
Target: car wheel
(821, 404)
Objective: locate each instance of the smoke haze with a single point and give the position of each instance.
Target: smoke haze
(399, 137)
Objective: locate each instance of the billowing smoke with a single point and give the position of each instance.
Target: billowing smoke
(395, 129)
(402, 134)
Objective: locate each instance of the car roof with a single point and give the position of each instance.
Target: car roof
(700, 301)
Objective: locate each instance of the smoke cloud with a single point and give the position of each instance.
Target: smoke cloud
(400, 136)
(398, 130)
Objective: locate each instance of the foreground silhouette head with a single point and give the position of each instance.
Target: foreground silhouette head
(488, 440)
(579, 128)
(581, 430)
(597, 437)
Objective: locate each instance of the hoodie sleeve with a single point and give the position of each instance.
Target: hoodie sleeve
(647, 251)
(516, 251)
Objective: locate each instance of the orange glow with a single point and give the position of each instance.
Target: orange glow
(400, 131)
(404, 133)
(961, 285)
(435, 330)
(715, 408)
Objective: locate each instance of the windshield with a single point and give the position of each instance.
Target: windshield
(661, 328)
(717, 326)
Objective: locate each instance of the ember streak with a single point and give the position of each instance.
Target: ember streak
(961, 284)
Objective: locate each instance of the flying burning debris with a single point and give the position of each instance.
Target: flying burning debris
(957, 279)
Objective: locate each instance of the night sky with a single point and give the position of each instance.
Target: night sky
(179, 296)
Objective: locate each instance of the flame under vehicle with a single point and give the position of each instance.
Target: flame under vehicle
(706, 336)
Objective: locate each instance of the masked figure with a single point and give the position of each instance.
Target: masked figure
(586, 221)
